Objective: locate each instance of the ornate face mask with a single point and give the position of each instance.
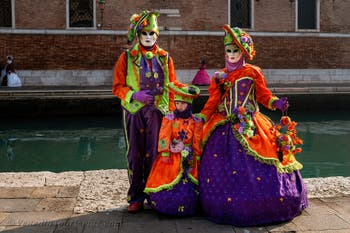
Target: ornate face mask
(233, 53)
(148, 38)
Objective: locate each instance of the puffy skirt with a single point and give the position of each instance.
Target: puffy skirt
(181, 200)
(236, 189)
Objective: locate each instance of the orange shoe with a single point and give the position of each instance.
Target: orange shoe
(135, 207)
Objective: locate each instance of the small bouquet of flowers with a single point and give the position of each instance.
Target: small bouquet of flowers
(287, 139)
(187, 156)
(243, 121)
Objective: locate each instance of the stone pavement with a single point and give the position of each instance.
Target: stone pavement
(40, 212)
(94, 201)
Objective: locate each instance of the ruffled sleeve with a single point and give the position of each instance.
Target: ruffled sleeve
(262, 93)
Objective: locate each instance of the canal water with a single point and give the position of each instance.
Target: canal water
(91, 143)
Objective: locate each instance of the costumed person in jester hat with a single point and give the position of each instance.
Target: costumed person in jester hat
(172, 184)
(248, 174)
(141, 75)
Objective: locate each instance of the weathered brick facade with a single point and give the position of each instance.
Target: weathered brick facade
(89, 52)
(199, 15)
(37, 14)
(60, 51)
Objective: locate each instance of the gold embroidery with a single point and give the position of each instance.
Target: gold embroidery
(148, 74)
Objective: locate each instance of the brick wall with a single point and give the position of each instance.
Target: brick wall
(41, 52)
(274, 15)
(270, 15)
(89, 52)
(195, 15)
(334, 16)
(40, 14)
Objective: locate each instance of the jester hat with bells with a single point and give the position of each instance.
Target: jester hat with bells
(240, 38)
(146, 20)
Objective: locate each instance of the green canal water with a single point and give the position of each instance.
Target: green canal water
(91, 143)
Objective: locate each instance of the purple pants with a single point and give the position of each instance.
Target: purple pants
(141, 132)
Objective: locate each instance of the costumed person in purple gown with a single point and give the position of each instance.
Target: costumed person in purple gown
(202, 76)
(248, 174)
(141, 75)
(172, 183)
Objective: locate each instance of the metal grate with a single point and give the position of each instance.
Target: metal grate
(81, 13)
(240, 13)
(5, 13)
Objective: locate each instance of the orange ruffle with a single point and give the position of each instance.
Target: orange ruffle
(263, 143)
(209, 127)
(264, 140)
(166, 174)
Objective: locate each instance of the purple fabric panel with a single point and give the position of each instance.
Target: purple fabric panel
(181, 200)
(155, 77)
(142, 129)
(236, 189)
(243, 88)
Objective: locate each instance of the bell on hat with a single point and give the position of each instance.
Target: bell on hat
(146, 20)
(241, 39)
(185, 93)
(201, 77)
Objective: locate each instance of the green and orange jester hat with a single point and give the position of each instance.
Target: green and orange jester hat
(184, 93)
(241, 39)
(146, 20)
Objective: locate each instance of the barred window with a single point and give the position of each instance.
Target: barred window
(240, 13)
(5, 13)
(81, 13)
(307, 14)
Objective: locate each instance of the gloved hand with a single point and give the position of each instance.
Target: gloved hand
(156, 91)
(281, 104)
(143, 97)
(177, 146)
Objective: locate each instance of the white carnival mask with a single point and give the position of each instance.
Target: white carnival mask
(233, 53)
(148, 38)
